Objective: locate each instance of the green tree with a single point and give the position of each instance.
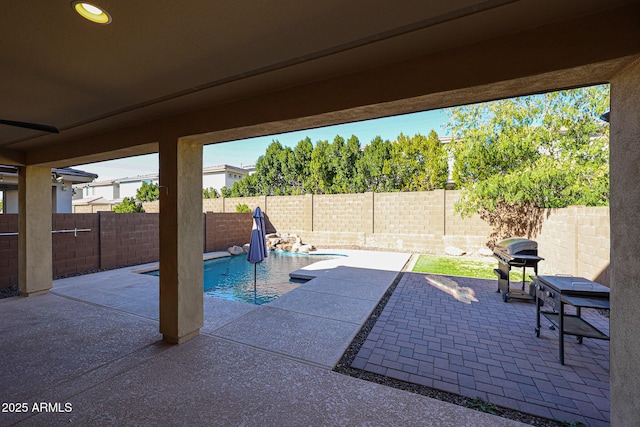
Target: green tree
(516, 158)
(271, 169)
(410, 164)
(420, 162)
(299, 166)
(375, 169)
(128, 205)
(210, 193)
(246, 187)
(148, 192)
(344, 158)
(321, 172)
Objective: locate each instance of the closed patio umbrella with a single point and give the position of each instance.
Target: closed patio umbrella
(257, 245)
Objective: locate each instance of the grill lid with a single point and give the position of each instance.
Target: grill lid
(575, 286)
(513, 245)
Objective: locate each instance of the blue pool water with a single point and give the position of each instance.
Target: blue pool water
(231, 277)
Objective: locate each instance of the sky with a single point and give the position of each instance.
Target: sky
(245, 152)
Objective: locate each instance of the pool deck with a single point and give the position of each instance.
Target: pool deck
(93, 342)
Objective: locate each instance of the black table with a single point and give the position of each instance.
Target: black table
(558, 291)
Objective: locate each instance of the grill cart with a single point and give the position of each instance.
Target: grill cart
(556, 292)
(516, 252)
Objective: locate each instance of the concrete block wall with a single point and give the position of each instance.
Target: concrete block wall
(75, 252)
(409, 213)
(80, 209)
(213, 205)
(231, 203)
(342, 212)
(137, 238)
(292, 213)
(576, 241)
(114, 240)
(223, 230)
(594, 246)
(469, 233)
(339, 220)
(573, 240)
(108, 239)
(151, 207)
(107, 207)
(411, 221)
(458, 226)
(8, 250)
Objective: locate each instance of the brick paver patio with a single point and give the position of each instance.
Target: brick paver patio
(456, 334)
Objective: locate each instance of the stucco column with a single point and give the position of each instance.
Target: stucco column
(625, 246)
(34, 230)
(181, 241)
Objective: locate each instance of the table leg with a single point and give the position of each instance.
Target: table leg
(579, 314)
(561, 339)
(537, 315)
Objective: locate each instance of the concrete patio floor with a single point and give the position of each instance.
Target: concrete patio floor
(91, 351)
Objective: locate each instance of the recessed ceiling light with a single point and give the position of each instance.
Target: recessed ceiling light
(91, 12)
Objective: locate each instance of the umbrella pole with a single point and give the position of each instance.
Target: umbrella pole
(255, 296)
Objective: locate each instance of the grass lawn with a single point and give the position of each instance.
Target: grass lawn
(481, 268)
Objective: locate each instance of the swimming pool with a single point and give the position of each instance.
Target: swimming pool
(231, 278)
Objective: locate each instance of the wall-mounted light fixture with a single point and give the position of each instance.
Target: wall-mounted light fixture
(91, 12)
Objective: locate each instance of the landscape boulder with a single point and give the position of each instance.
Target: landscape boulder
(288, 242)
(485, 252)
(305, 249)
(454, 251)
(235, 250)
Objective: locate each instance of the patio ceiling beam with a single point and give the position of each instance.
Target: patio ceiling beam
(12, 157)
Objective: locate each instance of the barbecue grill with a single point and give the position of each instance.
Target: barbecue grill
(515, 252)
(555, 292)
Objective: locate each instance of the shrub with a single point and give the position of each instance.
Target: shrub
(210, 193)
(242, 208)
(128, 205)
(148, 192)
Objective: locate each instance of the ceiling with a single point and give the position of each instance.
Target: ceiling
(201, 65)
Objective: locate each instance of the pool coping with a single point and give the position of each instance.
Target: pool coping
(205, 257)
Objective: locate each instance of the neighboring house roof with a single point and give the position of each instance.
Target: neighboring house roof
(223, 168)
(104, 183)
(9, 175)
(209, 170)
(98, 200)
(147, 177)
(89, 200)
(74, 175)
